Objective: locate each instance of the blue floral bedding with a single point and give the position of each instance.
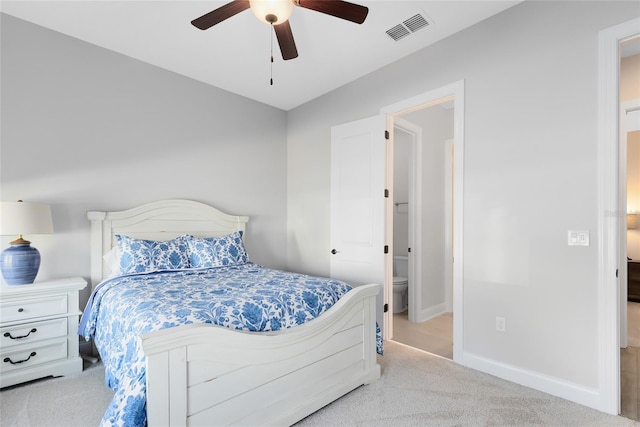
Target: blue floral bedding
(247, 297)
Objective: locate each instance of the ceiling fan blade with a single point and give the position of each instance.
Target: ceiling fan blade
(340, 9)
(220, 14)
(285, 40)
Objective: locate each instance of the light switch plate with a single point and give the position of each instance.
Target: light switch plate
(578, 237)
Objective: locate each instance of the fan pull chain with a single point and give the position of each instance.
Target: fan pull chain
(272, 30)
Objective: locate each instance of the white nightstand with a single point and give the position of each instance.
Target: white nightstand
(39, 330)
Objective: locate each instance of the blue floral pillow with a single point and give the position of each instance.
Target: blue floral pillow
(217, 251)
(139, 256)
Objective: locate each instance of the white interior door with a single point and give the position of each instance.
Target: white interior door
(358, 204)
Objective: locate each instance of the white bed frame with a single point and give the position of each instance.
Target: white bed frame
(208, 375)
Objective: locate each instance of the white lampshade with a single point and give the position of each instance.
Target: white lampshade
(281, 9)
(17, 218)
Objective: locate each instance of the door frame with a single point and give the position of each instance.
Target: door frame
(448, 223)
(609, 215)
(455, 92)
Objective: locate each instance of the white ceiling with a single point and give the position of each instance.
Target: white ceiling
(234, 55)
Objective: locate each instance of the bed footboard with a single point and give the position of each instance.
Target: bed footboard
(198, 374)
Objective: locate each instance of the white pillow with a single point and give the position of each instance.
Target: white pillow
(112, 259)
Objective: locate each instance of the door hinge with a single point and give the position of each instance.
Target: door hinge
(386, 193)
(385, 308)
(386, 249)
(408, 249)
(616, 273)
(386, 134)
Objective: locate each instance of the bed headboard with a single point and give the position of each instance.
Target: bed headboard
(162, 220)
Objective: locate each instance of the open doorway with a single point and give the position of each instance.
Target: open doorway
(629, 97)
(422, 225)
(612, 228)
(432, 217)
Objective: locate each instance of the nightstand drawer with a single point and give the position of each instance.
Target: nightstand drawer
(26, 356)
(32, 332)
(32, 308)
(38, 330)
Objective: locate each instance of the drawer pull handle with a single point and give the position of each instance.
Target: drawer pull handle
(8, 334)
(8, 359)
(20, 310)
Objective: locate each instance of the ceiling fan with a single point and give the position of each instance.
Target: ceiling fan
(277, 12)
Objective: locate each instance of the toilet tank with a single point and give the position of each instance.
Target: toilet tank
(401, 266)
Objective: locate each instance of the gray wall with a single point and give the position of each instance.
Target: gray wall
(531, 99)
(84, 128)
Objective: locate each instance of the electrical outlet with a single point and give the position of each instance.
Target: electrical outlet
(501, 324)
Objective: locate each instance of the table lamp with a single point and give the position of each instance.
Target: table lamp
(20, 262)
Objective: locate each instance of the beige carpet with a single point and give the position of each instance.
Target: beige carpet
(75, 401)
(436, 336)
(416, 389)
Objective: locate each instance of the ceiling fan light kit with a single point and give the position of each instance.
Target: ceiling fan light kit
(271, 11)
(277, 13)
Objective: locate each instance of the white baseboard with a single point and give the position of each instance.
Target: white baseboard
(431, 312)
(555, 386)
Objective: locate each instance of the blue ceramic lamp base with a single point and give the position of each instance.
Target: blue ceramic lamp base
(19, 263)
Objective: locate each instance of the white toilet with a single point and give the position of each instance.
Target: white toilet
(400, 283)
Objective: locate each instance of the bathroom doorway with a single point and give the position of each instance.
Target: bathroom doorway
(423, 227)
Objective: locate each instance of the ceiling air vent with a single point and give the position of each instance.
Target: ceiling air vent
(408, 26)
(415, 23)
(398, 32)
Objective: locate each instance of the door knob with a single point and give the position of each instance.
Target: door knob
(333, 251)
